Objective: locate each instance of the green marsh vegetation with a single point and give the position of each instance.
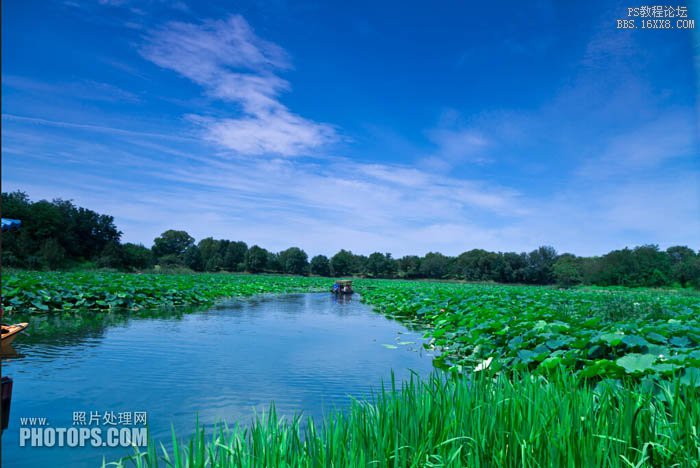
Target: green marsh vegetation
(40, 292)
(537, 376)
(597, 332)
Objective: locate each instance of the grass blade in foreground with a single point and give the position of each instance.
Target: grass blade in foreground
(525, 421)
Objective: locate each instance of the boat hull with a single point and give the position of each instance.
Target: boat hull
(10, 332)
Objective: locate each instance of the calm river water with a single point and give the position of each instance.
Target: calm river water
(306, 352)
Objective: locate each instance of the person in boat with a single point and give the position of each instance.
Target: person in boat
(336, 288)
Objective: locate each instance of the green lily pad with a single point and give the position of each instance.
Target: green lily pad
(680, 341)
(656, 338)
(636, 363)
(613, 339)
(634, 341)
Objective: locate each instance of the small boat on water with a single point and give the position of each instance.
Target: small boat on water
(10, 332)
(342, 287)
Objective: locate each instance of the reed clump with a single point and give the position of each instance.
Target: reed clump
(486, 420)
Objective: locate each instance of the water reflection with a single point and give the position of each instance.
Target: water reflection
(306, 352)
(9, 352)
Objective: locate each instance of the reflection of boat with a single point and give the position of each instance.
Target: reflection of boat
(9, 352)
(342, 287)
(10, 332)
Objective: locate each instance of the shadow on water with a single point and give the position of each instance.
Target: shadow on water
(75, 327)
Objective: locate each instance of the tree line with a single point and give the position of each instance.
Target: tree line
(58, 234)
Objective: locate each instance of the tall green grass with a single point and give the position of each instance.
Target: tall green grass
(524, 420)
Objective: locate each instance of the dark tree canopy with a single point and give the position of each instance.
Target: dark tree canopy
(409, 266)
(256, 259)
(57, 234)
(172, 242)
(234, 257)
(320, 265)
(342, 263)
(54, 233)
(381, 265)
(294, 261)
(434, 265)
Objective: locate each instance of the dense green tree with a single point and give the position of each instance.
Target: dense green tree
(409, 266)
(171, 261)
(214, 263)
(256, 259)
(434, 265)
(616, 268)
(16, 205)
(172, 242)
(679, 253)
(568, 270)
(478, 265)
(192, 258)
(211, 254)
(52, 254)
(112, 256)
(359, 265)
(89, 232)
(294, 261)
(273, 263)
(381, 265)
(652, 267)
(540, 266)
(645, 265)
(81, 234)
(590, 269)
(513, 269)
(235, 255)
(136, 256)
(342, 263)
(684, 265)
(320, 265)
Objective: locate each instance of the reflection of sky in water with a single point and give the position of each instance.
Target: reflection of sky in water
(305, 352)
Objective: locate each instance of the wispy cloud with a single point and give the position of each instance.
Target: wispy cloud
(646, 147)
(85, 89)
(233, 64)
(95, 128)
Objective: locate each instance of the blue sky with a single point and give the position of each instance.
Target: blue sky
(399, 127)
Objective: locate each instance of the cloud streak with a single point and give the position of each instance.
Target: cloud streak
(233, 64)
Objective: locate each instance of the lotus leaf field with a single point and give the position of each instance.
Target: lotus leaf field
(38, 292)
(594, 332)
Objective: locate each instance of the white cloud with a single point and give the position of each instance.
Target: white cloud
(233, 64)
(281, 133)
